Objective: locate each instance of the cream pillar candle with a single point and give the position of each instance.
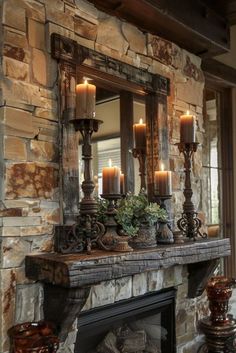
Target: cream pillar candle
(140, 135)
(110, 180)
(163, 182)
(85, 100)
(187, 128)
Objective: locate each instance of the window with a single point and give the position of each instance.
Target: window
(211, 181)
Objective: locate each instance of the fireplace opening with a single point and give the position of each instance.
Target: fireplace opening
(144, 324)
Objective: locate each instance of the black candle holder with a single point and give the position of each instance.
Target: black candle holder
(87, 232)
(140, 153)
(111, 240)
(189, 224)
(164, 231)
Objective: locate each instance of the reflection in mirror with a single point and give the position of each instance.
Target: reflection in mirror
(107, 141)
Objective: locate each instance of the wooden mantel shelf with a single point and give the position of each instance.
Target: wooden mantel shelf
(79, 270)
(68, 278)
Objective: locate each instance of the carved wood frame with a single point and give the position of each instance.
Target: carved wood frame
(73, 59)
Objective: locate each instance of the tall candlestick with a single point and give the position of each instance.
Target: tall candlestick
(140, 135)
(163, 182)
(122, 183)
(85, 100)
(110, 180)
(187, 128)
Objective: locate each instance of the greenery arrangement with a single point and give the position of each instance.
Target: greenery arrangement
(135, 211)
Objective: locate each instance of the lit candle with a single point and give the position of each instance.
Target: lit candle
(85, 100)
(187, 128)
(163, 182)
(110, 180)
(140, 135)
(122, 183)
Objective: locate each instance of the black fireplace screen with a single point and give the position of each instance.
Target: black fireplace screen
(143, 324)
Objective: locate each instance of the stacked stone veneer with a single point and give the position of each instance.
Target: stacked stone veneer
(29, 138)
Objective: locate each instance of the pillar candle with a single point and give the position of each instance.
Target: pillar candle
(163, 182)
(85, 100)
(187, 128)
(140, 135)
(122, 183)
(111, 180)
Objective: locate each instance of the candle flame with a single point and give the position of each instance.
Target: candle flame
(85, 82)
(110, 162)
(162, 167)
(141, 121)
(187, 112)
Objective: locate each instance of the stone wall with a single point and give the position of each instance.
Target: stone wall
(29, 127)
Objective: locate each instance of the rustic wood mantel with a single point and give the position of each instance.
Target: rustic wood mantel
(68, 277)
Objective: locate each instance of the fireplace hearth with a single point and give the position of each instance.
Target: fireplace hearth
(144, 324)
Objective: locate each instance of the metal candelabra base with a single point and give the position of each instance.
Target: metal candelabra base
(189, 224)
(111, 240)
(164, 230)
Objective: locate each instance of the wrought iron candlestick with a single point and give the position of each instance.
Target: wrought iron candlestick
(87, 231)
(189, 223)
(112, 240)
(140, 153)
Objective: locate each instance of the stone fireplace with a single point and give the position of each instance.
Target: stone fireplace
(31, 186)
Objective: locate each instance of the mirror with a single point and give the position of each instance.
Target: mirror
(134, 90)
(107, 141)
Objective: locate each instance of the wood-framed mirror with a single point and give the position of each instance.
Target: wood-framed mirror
(135, 92)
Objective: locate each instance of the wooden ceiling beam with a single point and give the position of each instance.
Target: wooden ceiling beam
(189, 23)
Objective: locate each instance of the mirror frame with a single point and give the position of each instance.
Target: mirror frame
(73, 60)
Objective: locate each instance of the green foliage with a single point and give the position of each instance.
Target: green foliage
(102, 207)
(135, 210)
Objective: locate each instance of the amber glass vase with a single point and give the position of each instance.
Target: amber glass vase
(33, 337)
(219, 291)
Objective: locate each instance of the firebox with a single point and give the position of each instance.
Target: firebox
(144, 324)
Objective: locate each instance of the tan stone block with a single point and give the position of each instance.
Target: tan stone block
(34, 9)
(14, 38)
(52, 216)
(135, 38)
(43, 151)
(19, 92)
(87, 11)
(39, 65)
(46, 114)
(21, 221)
(85, 29)
(11, 231)
(37, 230)
(60, 18)
(7, 305)
(36, 34)
(22, 203)
(17, 122)
(14, 15)
(15, 249)
(42, 244)
(17, 53)
(190, 92)
(110, 35)
(45, 130)
(35, 180)
(29, 302)
(15, 69)
(15, 149)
